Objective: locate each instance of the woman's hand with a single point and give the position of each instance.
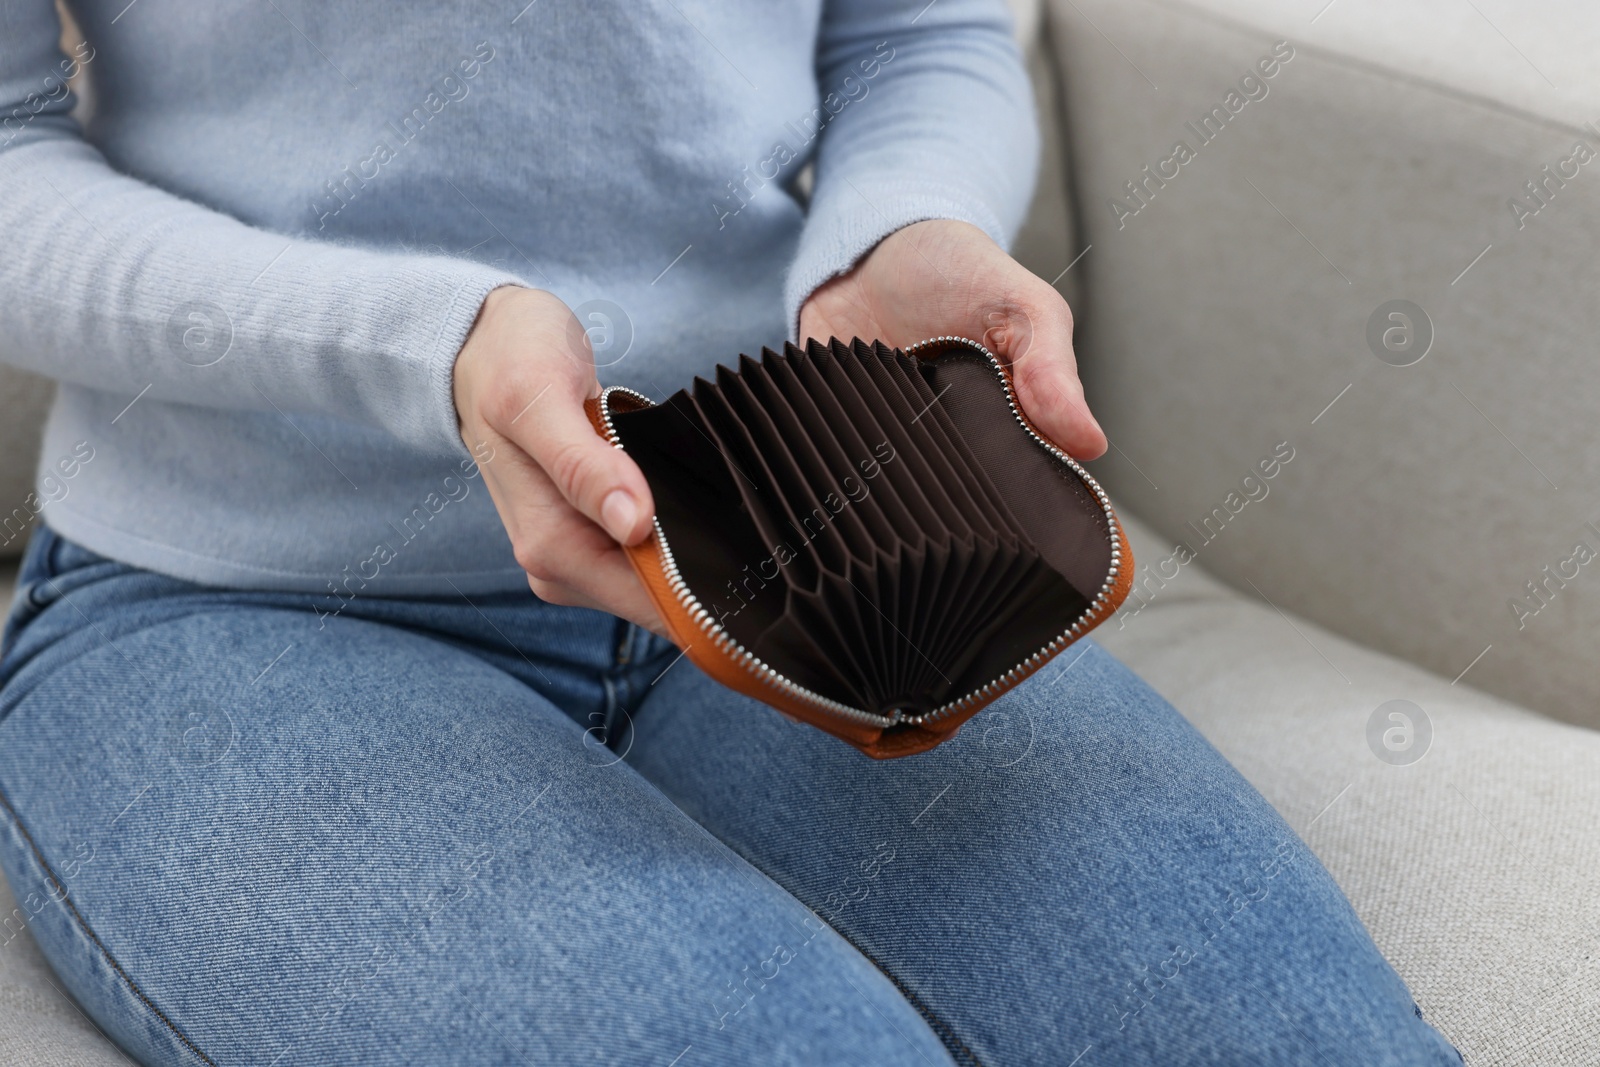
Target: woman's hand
(566, 497)
(569, 500)
(939, 278)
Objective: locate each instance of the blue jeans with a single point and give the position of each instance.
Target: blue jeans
(453, 831)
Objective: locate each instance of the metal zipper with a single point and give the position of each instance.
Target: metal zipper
(721, 639)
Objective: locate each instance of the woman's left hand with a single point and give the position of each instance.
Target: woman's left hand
(940, 278)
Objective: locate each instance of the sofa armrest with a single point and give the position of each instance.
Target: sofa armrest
(1432, 510)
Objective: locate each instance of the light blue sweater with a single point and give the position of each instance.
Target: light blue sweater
(252, 266)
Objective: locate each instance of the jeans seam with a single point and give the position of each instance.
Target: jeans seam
(12, 696)
(88, 931)
(943, 1030)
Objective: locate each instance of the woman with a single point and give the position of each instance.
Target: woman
(294, 767)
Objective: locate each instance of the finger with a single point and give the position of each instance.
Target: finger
(594, 573)
(569, 560)
(1034, 334)
(1052, 397)
(617, 592)
(592, 475)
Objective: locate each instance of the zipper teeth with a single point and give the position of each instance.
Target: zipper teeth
(721, 639)
(1101, 599)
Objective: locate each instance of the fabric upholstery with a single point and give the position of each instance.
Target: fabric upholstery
(1232, 309)
(1470, 866)
(39, 1026)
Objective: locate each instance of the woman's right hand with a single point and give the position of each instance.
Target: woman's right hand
(568, 499)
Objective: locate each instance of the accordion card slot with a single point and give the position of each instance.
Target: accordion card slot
(874, 541)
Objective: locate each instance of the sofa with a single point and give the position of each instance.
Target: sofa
(1367, 271)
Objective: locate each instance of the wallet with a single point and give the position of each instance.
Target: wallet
(875, 541)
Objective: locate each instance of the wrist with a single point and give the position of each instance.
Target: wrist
(496, 299)
(490, 310)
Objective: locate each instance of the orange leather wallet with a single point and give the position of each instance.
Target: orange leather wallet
(874, 541)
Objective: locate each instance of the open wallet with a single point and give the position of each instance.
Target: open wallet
(875, 541)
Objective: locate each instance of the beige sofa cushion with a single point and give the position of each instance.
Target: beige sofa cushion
(24, 399)
(1472, 865)
(1538, 59)
(39, 1026)
(1232, 310)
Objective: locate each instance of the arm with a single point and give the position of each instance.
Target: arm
(921, 181)
(935, 121)
(115, 284)
(112, 283)
(939, 131)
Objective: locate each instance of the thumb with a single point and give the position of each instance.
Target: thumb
(595, 477)
(1036, 342)
(523, 374)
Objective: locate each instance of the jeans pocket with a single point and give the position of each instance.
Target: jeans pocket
(24, 602)
(48, 563)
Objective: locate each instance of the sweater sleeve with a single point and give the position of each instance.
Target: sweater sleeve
(112, 283)
(928, 115)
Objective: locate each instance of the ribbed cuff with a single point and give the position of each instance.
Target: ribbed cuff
(435, 420)
(850, 219)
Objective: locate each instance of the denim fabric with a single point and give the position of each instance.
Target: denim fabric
(244, 834)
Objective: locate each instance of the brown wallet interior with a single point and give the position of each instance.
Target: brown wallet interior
(880, 530)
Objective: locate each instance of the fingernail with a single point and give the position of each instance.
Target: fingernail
(618, 514)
